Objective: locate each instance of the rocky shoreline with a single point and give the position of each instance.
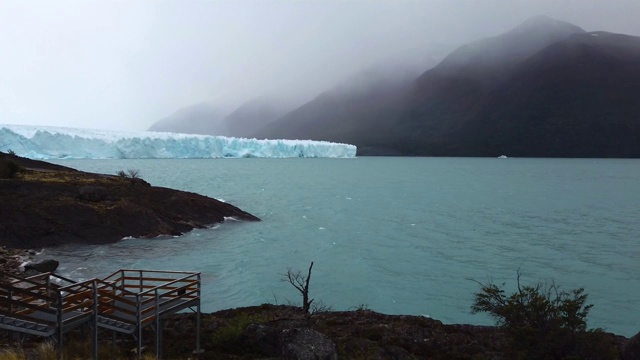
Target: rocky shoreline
(11, 259)
(46, 205)
(285, 332)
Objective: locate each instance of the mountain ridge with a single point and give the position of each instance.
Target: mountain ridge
(545, 88)
(484, 97)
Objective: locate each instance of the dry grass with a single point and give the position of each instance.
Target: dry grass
(67, 177)
(73, 350)
(12, 354)
(46, 351)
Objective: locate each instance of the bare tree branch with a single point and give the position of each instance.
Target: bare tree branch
(300, 283)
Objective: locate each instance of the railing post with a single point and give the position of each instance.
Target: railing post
(94, 349)
(59, 323)
(139, 325)
(158, 326)
(198, 318)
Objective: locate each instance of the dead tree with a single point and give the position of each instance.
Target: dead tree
(301, 283)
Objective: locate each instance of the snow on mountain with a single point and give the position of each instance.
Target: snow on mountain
(40, 142)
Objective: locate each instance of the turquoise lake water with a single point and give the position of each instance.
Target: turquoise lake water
(399, 235)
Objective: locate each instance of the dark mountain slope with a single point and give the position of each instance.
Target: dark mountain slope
(423, 116)
(575, 98)
(348, 118)
(354, 112)
(443, 99)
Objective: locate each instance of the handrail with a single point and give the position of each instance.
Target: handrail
(169, 283)
(133, 298)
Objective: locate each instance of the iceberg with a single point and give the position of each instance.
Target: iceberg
(43, 142)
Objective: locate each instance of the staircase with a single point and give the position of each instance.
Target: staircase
(126, 302)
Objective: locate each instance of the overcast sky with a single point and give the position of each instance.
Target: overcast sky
(125, 64)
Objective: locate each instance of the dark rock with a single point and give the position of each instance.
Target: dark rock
(268, 338)
(92, 193)
(362, 334)
(289, 339)
(307, 344)
(43, 266)
(80, 207)
(397, 353)
(631, 351)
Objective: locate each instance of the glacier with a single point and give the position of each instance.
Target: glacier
(44, 142)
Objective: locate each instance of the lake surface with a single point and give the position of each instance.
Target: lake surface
(399, 235)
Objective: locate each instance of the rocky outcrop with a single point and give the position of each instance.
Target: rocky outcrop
(289, 339)
(47, 205)
(307, 344)
(284, 332)
(43, 266)
(10, 260)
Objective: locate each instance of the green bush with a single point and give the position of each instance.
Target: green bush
(229, 337)
(544, 322)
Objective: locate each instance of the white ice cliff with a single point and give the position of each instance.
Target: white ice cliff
(39, 142)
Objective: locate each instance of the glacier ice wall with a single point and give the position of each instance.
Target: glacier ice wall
(39, 142)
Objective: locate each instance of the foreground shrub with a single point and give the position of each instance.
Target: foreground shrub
(543, 321)
(229, 337)
(129, 174)
(8, 169)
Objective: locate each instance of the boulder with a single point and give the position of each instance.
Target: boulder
(307, 344)
(43, 266)
(289, 339)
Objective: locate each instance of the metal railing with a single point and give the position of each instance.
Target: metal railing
(125, 301)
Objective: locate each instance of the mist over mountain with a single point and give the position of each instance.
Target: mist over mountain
(253, 115)
(202, 118)
(344, 113)
(546, 88)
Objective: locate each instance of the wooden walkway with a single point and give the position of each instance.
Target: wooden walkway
(126, 301)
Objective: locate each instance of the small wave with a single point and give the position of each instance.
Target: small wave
(24, 263)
